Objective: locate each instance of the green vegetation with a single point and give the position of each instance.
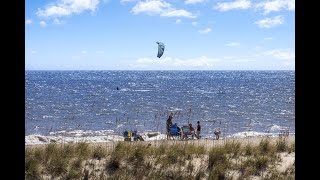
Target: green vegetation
(135, 160)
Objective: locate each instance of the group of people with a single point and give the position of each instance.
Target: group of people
(136, 137)
(183, 135)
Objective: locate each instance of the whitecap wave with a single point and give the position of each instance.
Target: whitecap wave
(250, 134)
(85, 136)
(40, 139)
(82, 133)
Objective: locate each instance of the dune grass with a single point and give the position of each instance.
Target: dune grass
(129, 160)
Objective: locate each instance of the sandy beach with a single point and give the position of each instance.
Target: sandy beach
(208, 143)
(169, 159)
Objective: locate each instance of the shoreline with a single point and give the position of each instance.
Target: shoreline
(205, 142)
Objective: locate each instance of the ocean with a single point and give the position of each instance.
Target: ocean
(72, 106)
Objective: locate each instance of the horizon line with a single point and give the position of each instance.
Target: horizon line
(159, 70)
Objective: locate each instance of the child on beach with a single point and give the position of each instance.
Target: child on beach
(198, 130)
(191, 130)
(217, 132)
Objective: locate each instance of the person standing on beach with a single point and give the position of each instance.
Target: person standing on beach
(171, 115)
(217, 132)
(198, 130)
(169, 123)
(191, 130)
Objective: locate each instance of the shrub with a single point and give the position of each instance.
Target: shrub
(232, 147)
(112, 166)
(292, 147)
(57, 166)
(265, 146)
(82, 150)
(217, 156)
(98, 153)
(32, 169)
(248, 150)
(281, 145)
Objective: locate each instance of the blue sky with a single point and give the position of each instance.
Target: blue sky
(122, 34)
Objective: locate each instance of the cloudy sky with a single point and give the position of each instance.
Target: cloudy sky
(122, 34)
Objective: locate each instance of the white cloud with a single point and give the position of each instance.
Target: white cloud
(270, 22)
(267, 5)
(287, 63)
(84, 52)
(178, 21)
(33, 52)
(68, 7)
(194, 1)
(160, 7)
(237, 4)
(43, 23)
(128, 1)
(28, 21)
(285, 54)
(276, 5)
(57, 21)
(247, 58)
(150, 7)
(194, 23)
(233, 44)
(175, 63)
(229, 57)
(268, 38)
(258, 48)
(239, 60)
(178, 13)
(205, 31)
(271, 59)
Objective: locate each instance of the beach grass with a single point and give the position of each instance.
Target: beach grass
(232, 159)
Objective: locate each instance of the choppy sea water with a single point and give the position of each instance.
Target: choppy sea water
(71, 106)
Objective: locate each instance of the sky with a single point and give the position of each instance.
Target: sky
(122, 34)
